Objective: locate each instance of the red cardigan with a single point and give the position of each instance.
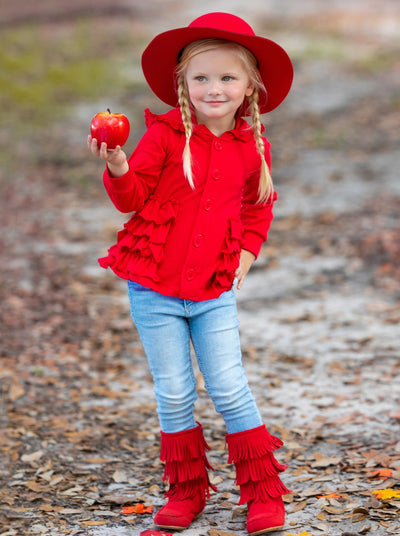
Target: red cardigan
(183, 242)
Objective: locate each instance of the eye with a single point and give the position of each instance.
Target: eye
(227, 78)
(200, 78)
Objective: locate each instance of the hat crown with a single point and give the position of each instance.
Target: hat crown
(223, 21)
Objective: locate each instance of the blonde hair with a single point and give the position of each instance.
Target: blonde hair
(265, 187)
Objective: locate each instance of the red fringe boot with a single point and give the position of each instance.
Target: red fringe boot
(186, 464)
(257, 474)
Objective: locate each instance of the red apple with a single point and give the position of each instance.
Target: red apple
(113, 128)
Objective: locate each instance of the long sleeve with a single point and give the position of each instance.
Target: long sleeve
(256, 218)
(130, 192)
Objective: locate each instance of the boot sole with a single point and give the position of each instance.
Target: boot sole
(264, 531)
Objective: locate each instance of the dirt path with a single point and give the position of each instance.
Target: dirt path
(319, 312)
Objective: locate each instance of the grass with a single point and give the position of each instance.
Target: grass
(48, 69)
(42, 72)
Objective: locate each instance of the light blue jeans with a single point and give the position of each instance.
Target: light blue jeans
(166, 326)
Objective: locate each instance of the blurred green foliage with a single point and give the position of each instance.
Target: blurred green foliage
(44, 69)
(54, 75)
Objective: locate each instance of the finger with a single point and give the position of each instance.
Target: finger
(94, 147)
(115, 151)
(240, 279)
(103, 151)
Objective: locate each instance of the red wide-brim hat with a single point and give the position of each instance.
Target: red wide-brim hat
(160, 58)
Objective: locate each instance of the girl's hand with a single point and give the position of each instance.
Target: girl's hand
(116, 158)
(246, 260)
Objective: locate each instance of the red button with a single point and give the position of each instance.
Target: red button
(197, 240)
(190, 274)
(216, 175)
(217, 146)
(207, 204)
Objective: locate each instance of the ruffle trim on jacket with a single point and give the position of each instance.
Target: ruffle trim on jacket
(242, 131)
(140, 244)
(230, 255)
(172, 118)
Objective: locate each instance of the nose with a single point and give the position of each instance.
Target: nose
(214, 88)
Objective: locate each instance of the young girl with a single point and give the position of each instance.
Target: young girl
(202, 196)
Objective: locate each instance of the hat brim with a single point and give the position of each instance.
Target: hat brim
(160, 58)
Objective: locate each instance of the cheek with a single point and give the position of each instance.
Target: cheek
(194, 92)
(240, 93)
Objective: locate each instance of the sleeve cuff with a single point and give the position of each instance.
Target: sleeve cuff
(252, 242)
(118, 184)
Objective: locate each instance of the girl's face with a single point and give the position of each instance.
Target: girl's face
(217, 83)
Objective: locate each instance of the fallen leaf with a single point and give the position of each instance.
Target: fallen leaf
(325, 462)
(333, 510)
(39, 529)
(217, 532)
(304, 533)
(322, 516)
(329, 496)
(382, 473)
(298, 506)
(323, 527)
(16, 390)
(360, 510)
(93, 523)
(139, 508)
(34, 486)
(72, 491)
(120, 476)
(56, 479)
(388, 493)
(70, 511)
(98, 460)
(358, 514)
(32, 457)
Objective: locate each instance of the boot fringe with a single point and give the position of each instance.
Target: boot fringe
(175, 447)
(259, 469)
(190, 488)
(186, 464)
(262, 491)
(256, 444)
(176, 472)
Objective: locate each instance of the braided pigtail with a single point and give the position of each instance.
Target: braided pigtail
(266, 187)
(183, 99)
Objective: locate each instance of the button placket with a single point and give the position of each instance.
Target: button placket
(190, 274)
(195, 258)
(197, 240)
(207, 205)
(218, 145)
(216, 174)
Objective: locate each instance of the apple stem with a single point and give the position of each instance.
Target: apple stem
(108, 110)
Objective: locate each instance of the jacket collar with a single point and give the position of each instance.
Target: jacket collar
(173, 118)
